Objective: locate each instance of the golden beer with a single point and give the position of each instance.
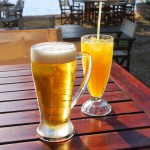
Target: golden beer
(54, 82)
(54, 69)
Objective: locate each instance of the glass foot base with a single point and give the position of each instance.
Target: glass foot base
(96, 108)
(57, 133)
(46, 139)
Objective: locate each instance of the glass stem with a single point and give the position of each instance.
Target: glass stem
(95, 98)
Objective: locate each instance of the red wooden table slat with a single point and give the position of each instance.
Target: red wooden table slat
(16, 87)
(91, 125)
(137, 91)
(117, 140)
(24, 100)
(27, 117)
(108, 141)
(18, 105)
(30, 94)
(20, 70)
(15, 67)
(15, 73)
(30, 86)
(34, 145)
(17, 95)
(16, 79)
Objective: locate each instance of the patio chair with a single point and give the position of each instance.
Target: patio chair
(15, 44)
(15, 10)
(124, 42)
(12, 14)
(129, 11)
(109, 14)
(71, 13)
(10, 22)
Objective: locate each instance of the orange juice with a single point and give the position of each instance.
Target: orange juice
(101, 52)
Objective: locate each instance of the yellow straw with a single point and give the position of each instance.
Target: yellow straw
(99, 20)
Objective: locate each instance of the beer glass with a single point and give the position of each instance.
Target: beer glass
(101, 51)
(53, 70)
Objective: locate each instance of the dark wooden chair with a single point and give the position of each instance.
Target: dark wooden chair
(15, 10)
(10, 22)
(109, 14)
(129, 11)
(71, 13)
(12, 15)
(123, 43)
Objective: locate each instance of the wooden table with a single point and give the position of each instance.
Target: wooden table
(74, 32)
(127, 127)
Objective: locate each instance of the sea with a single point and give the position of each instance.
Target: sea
(40, 7)
(43, 7)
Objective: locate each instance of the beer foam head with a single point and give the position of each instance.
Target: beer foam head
(53, 52)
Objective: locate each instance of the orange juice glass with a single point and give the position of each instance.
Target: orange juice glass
(101, 51)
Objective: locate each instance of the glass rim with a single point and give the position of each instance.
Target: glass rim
(54, 45)
(102, 36)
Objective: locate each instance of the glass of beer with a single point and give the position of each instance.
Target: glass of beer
(101, 51)
(54, 69)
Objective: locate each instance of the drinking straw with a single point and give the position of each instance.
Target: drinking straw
(99, 20)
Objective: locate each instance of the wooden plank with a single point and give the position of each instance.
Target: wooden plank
(31, 104)
(22, 79)
(15, 73)
(28, 117)
(26, 100)
(117, 140)
(113, 123)
(30, 86)
(88, 126)
(15, 67)
(17, 95)
(23, 105)
(30, 94)
(134, 139)
(16, 87)
(34, 145)
(16, 79)
(27, 72)
(136, 90)
(7, 68)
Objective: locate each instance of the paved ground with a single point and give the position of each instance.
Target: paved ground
(140, 54)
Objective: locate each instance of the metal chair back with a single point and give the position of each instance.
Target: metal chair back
(128, 27)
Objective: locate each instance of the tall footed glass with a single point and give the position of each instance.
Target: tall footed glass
(101, 51)
(54, 70)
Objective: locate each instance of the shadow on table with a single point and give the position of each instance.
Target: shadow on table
(131, 137)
